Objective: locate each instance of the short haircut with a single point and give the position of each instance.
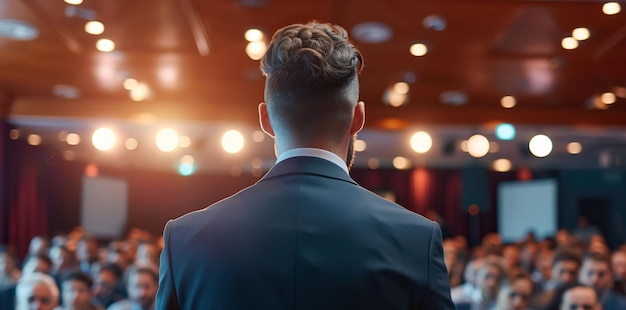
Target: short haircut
(113, 269)
(598, 257)
(565, 255)
(79, 277)
(28, 281)
(42, 257)
(312, 85)
(146, 270)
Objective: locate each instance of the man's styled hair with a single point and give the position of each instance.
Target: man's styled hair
(79, 276)
(312, 86)
(566, 255)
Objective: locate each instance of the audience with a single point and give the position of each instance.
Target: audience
(516, 296)
(77, 292)
(107, 285)
(580, 298)
(596, 273)
(142, 287)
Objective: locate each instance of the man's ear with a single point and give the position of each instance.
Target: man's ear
(264, 120)
(358, 120)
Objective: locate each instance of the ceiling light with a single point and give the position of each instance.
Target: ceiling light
(105, 45)
(232, 141)
(569, 43)
(581, 34)
(140, 92)
(130, 84)
(421, 142)
(187, 159)
(360, 145)
(434, 22)
(507, 102)
(394, 98)
(540, 146)
(611, 8)
(372, 32)
(478, 146)
(253, 35)
(418, 49)
(34, 139)
(505, 131)
(401, 87)
(186, 169)
(401, 163)
(501, 165)
(166, 140)
(574, 148)
(94, 27)
(14, 134)
(453, 97)
(72, 139)
(103, 139)
(131, 144)
(18, 30)
(184, 142)
(74, 2)
(255, 50)
(373, 163)
(608, 98)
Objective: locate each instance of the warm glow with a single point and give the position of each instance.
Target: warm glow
(258, 136)
(94, 27)
(256, 49)
(74, 2)
(184, 142)
(463, 146)
(72, 139)
(69, 155)
(34, 139)
(494, 147)
(103, 139)
(140, 92)
(401, 88)
(501, 165)
(256, 163)
(395, 99)
(608, 98)
(540, 146)
(611, 8)
(421, 142)
(131, 144)
(477, 146)
(253, 35)
(14, 134)
(167, 140)
(574, 148)
(507, 102)
(360, 145)
(569, 43)
(581, 34)
(187, 159)
(373, 163)
(232, 141)
(105, 45)
(418, 49)
(62, 135)
(130, 84)
(401, 163)
(91, 171)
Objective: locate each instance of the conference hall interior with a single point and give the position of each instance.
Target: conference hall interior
(503, 121)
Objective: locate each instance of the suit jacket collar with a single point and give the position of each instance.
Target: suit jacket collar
(308, 165)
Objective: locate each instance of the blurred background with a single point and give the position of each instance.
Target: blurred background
(501, 117)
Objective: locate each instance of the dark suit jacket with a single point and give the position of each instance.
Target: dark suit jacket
(305, 236)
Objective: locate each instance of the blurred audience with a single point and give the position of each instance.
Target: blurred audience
(36, 291)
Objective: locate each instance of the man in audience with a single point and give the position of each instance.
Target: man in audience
(596, 273)
(38, 263)
(76, 292)
(36, 291)
(516, 296)
(87, 253)
(618, 262)
(580, 298)
(142, 287)
(488, 282)
(9, 272)
(565, 267)
(468, 289)
(38, 246)
(106, 285)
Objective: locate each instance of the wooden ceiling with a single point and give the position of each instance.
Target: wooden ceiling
(191, 54)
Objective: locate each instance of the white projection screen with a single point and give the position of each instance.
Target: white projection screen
(104, 205)
(527, 206)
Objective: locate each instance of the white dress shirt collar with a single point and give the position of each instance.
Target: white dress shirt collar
(312, 152)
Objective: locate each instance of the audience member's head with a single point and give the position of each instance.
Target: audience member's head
(471, 270)
(596, 273)
(565, 267)
(489, 278)
(312, 88)
(76, 291)
(36, 291)
(37, 263)
(142, 286)
(87, 250)
(449, 254)
(511, 256)
(618, 262)
(580, 298)
(147, 253)
(517, 295)
(38, 246)
(107, 280)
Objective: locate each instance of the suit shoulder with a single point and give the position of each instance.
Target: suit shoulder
(394, 210)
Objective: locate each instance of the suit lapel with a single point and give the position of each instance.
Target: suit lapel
(308, 165)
